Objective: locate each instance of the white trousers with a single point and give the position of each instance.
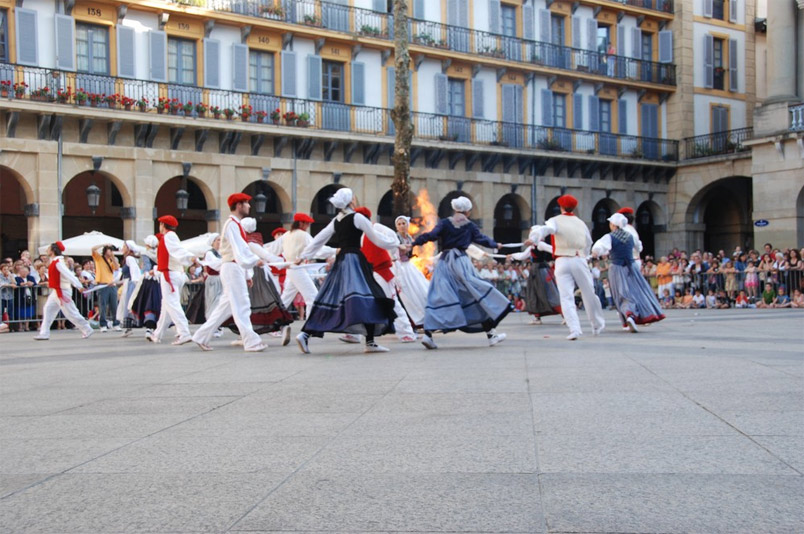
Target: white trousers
(299, 281)
(234, 302)
(171, 306)
(569, 272)
(402, 322)
(51, 310)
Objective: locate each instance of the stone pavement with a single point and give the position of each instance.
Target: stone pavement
(694, 425)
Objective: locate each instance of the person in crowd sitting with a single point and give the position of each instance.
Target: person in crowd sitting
(698, 300)
(798, 299)
(742, 301)
(768, 297)
(782, 299)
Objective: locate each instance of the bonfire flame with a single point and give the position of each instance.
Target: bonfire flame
(429, 217)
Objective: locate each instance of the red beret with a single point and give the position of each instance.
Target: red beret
(363, 210)
(169, 220)
(303, 217)
(626, 211)
(60, 245)
(568, 202)
(277, 232)
(237, 197)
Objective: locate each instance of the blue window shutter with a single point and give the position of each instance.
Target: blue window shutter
(359, 83)
(441, 93)
(620, 40)
(733, 64)
(707, 8)
(314, 89)
(528, 24)
(126, 66)
(418, 9)
(594, 113)
(636, 44)
(544, 25)
(709, 62)
(27, 37)
(495, 24)
(477, 98)
(65, 42)
(212, 63)
(547, 107)
(519, 117)
(622, 111)
(240, 67)
(733, 11)
(289, 73)
(508, 103)
(577, 111)
(666, 46)
(390, 74)
(157, 49)
(591, 34)
(576, 32)
(452, 12)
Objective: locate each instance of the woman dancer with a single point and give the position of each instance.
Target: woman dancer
(131, 275)
(414, 286)
(350, 301)
(632, 295)
(458, 298)
(541, 292)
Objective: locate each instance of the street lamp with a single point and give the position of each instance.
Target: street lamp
(601, 214)
(93, 197)
(182, 199)
(508, 212)
(260, 201)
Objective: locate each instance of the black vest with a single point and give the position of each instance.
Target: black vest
(346, 234)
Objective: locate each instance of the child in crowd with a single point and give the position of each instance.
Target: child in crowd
(768, 297)
(723, 300)
(742, 301)
(667, 300)
(711, 299)
(782, 299)
(798, 299)
(698, 300)
(751, 280)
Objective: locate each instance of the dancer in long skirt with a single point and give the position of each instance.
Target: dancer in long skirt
(541, 293)
(350, 301)
(131, 275)
(172, 258)
(61, 280)
(458, 298)
(629, 215)
(632, 295)
(413, 285)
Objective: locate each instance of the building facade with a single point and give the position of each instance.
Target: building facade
(513, 104)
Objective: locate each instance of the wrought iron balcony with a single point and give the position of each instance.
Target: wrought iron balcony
(367, 23)
(58, 88)
(797, 118)
(728, 142)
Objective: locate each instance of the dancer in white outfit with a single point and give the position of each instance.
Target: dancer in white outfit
(171, 260)
(571, 245)
(413, 285)
(131, 274)
(236, 257)
(61, 280)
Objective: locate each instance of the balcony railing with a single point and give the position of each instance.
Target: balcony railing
(329, 116)
(729, 142)
(797, 118)
(365, 22)
(665, 6)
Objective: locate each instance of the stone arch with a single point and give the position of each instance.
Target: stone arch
(15, 195)
(193, 221)
(510, 216)
(600, 213)
(720, 214)
(649, 220)
(385, 209)
(552, 209)
(271, 218)
(79, 217)
(445, 207)
(321, 208)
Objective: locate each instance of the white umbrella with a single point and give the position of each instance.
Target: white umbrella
(82, 245)
(199, 245)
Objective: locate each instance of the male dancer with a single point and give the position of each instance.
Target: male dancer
(571, 244)
(299, 280)
(61, 280)
(236, 258)
(171, 258)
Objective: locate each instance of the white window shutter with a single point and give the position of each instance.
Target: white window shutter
(666, 46)
(289, 74)
(528, 24)
(157, 42)
(65, 42)
(314, 89)
(358, 83)
(477, 98)
(544, 25)
(576, 32)
(709, 62)
(620, 40)
(126, 66)
(733, 11)
(733, 65)
(27, 38)
(212, 63)
(591, 34)
(636, 43)
(441, 83)
(547, 107)
(509, 103)
(240, 67)
(707, 8)
(577, 111)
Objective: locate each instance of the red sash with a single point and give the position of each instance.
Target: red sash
(242, 232)
(54, 279)
(163, 260)
(379, 259)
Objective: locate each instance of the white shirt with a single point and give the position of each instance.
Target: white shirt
(179, 256)
(575, 237)
(67, 277)
(525, 254)
(234, 246)
(212, 261)
(387, 242)
(134, 268)
(603, 245)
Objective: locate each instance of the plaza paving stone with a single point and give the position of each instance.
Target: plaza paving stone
(695, 424)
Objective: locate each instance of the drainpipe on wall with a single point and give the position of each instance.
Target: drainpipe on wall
(59, 202)
(293, 179)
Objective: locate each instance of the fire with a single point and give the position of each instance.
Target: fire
(429, 217)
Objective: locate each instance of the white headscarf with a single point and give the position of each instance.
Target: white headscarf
(212, 237)
(341, 198)
(151, 241)
(407, 219)
(134, 247)
(619, 220)
(461, 204)
(249, 225)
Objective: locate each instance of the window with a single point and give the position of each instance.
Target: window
(456, 98)
(559, 110)
(332, 81)
(718, 9)
(603, 39)
(557, 29)
(91, 49)
(508, 20)
(181, 61)
(605, 116)
(261, 72)
(647, 56)
(720, 119)
(719, 72)
(3, 35)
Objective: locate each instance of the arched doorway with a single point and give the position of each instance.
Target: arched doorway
(80, 217)
(725, 209)
(508, 221)
(552, 209)
(600, 214)
(445, 206)
(322, 209)
(385, 209)
(13, 222)
(271, 216)
(647, 221)
(192, 220)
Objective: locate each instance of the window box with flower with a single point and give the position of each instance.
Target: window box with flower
(276, 116)
(245, 112)
(42, 94)
(63, 97)
(5, 88)
(290, 118)
(81, 97)
(127, 102)
(201, 109)
(112, 100)
(19, 89)
(142, 104)
(260, 115)
(228, 113)
(303, 120)
(273, 12)
(175, 105)
(94, 99)
(216, 112)
(188, 108)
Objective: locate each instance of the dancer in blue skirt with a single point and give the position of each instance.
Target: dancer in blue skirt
(458, 298)
(350, 301)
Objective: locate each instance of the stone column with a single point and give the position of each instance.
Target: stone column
(782, 49)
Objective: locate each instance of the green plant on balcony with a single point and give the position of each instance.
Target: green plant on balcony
(175, 105)
(424, 39)
(63, 97)
(276, 116)
(19, 89)
(43, 94)
(188, 108)
(162, 104)
(290, 118)
(201, 109)
(273, 11)
(142, 103)
(550, 144)
(94, 99)
(81, 97)
(371, 31)
(260, 115)
(194, 3)
(245, 112)
(228, 113)
(127, 102)
(5, 88)
(303, 120)
(492, 52)
(311, 20)
(111, 100)
(216, 111)
(637, 153)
